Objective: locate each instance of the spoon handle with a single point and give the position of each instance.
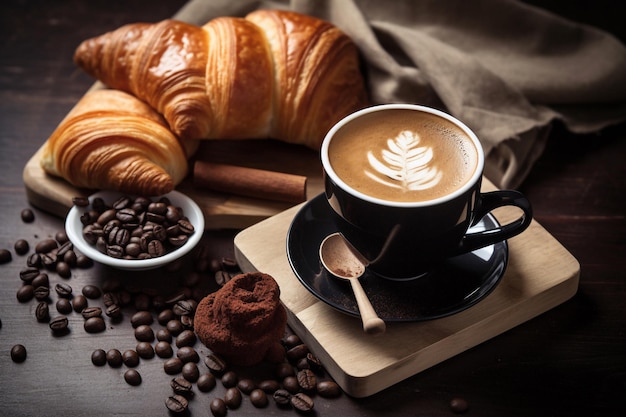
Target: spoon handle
(372, 324)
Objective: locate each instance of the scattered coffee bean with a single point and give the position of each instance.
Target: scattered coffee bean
(258, 398)
(63, 290)
(64, 306)
(328, 389)
(34, 260)
(459, 405)
(21, 247)
(114, 358)
(282, 397)
(175, 327)
(46, 246)
(222, 277)
(90, 312)
(181, 386)
(232, 398)
(144, 333)
(173, 366)
(83, 262)
(230, 379)
(307, 380)
(165, 316)
(218, 407)
(206, 382)
(79, 303)
(94, 324)
(314, 363)
(145, 350)
(114, 311)
(61, 237)
(5, 256)
(186, 338)
(63, 269)
(177, 404)
(188, 354)
(269, 386)
(164, 335)
(28, 274)
(99, 357)
(163, 350)
(297, 352)
(302, 402)
(130, 358)
(41, 293)
(283, 370)
(291, 384)
(25, 293)
(18, 353)
(190, 371)
(42, 312)
(80, 201)
(183, 307)
(132, 377)
(142, 317)
(246, 385)
(41, 280)
(27, 216)
(59, 324)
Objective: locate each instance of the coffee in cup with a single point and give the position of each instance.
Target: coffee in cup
(404, 181)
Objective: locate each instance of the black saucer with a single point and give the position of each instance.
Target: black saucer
(457, 284)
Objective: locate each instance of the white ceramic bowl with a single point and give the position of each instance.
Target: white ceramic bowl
(74, 230)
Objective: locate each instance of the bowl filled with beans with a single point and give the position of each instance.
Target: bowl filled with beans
(134, 232)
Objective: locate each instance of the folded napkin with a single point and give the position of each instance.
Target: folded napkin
(506, 69)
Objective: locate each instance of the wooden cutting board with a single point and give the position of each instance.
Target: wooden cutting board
(540, 275)
(220, 210)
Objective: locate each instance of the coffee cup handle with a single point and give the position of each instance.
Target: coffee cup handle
(487, 202)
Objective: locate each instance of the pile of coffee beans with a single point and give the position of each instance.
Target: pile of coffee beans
(134, 228)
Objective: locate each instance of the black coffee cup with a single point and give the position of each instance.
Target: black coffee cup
(405, 237)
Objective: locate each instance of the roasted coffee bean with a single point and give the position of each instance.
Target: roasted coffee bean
(110, 298)
(27, 216)
(132, 377)
(41, 293)
(230, 379)
(178, 241)
(80, 201)
(164, 335)
(91, 312)
(459, 405)
(142, 317)
(186, 321)
(177, 404)
(122, 202)
(70, 258)
(222, 277)
(5, 256)
(114, 311)
(99, 357)
(163, 349)
(28, 274)
(48, 261)
(165, 316)
(63, 249)
(63, 290)
(63, 269)
(183, 307)
(173, 366)
(133, 250)
(99, 205)
(83, 262)
(297, 352)
(258, 398)
(91, 233)
(155, 248)
(185, 226)
(246, 385)
(94, 325)
(328, 389)
(144, 333)
(216, 364)
(188, 354)
(206, 382)
(218, 407)
(269, 386)
(25, 293)
(291, 384)
(232, 398)
(34, 260)
(18, 353)
(59, 324)
(79, 303)
(145, 350)
(190, 371)
(186, 338)
(130, 358)
(46, 246)
(114, 251)
(21, 247)
(42, 312)
(106, 217)
(283, 370)
(41, 280)
(64, 306)
(314, 363)
(281, 397)
(175, 327)
(302, 402)
(181, 386)
(307, 380)
(114, 358)
(61, 237)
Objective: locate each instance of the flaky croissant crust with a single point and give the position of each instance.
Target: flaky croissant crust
(272, 74)
(111, 140)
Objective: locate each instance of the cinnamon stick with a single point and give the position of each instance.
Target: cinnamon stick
(250, 182)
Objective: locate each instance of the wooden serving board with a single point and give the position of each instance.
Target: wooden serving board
(220, 210)
(541, 274)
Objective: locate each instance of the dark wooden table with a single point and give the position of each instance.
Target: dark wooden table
(570, 361)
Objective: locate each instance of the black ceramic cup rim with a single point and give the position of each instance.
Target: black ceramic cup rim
(328, 169)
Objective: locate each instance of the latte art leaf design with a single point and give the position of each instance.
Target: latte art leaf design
(405, 164)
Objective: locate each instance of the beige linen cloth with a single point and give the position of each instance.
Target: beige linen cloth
(506, 69)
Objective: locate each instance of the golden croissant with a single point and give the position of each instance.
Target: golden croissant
(274, 74)
(112, 140)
